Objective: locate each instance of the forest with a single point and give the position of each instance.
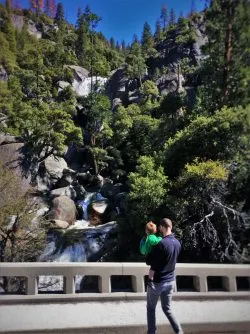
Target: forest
(181, 152)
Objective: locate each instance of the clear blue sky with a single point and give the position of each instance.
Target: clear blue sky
(123, 18)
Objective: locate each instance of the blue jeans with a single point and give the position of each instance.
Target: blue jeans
(165, 290)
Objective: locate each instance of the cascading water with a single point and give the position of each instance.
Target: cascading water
(79, 243)
(83, 87)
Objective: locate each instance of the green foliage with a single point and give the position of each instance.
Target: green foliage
(209, 169)
(149, 187)
(226, 69)
(149, 90)
(45, 128)
(185, 37)
(147, 40)
(208, 138)
(7, 57)
(135, 62)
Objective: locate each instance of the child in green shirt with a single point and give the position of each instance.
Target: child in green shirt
(147, 243)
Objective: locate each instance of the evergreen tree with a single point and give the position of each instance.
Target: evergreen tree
(59, 18)
(157, 34)
(135, 62)
(123, 45)
(112, 42)
(117, 46)
(147, 39)
(164, 17)
(8, 28)
(82, 42)
(78, 17)
(226, 71)
(172, 19)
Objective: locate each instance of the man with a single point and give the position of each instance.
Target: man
(162, 260)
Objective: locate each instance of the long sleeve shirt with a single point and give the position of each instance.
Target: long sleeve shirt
(147, 244)
(163, 258)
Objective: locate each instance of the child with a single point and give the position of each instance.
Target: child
(147, 243)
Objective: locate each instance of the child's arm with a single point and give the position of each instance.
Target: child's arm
(153, 239)
(143, 249)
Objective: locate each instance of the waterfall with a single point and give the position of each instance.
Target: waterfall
(83, 87)
(79, 243)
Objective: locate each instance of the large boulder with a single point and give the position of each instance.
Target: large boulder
(11, 156)
(170, 82)
(50, 172)
(8, 139)
(117, 85)
(63, 208)
(65, 191)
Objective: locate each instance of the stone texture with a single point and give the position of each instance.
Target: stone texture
(65, 191)
(63, 208)
(60, 223)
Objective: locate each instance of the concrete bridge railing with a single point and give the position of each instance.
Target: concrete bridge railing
(209, 299)
(200, 277)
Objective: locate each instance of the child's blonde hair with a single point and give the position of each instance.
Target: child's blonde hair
(151, 227)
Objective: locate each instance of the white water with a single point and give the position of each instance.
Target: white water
(83, 88)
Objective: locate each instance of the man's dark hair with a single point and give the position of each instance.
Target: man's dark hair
(166, 222)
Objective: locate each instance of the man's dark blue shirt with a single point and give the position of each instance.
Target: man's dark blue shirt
(163, 257)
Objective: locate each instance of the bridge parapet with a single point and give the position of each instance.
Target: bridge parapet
(200, 278)
(201, 305)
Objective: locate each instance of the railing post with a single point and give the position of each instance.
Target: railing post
(69, 284)
(229, 283)
(104, 283)
(200, 283)
(32, 286)
(138, 283)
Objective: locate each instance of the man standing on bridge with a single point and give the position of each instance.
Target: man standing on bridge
(162, 260)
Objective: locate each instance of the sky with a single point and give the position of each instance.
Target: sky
(122, 19)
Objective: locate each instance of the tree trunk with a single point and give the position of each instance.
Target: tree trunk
(228, 48)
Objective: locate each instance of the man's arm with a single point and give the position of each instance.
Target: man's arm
(155, 258)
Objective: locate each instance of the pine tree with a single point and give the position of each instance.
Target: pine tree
(82, 42)
(157, 34)
(123, 46)
(112, 42)
(147, 39)
(172, 19)
(164, 16)
(117, 46)
(226, 69)
(78, 17)
(8, 27)
(135, 61)
(59, 18)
